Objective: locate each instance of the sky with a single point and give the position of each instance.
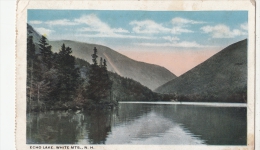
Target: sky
(176, 40)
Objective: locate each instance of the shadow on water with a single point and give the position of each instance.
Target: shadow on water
(68, 127)
(140, 124)
(214, 125)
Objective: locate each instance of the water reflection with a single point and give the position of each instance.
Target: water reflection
(151, 128)
(98, 125)
(140, 124)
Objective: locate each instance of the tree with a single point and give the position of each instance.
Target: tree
(38, 74)
(30, 66)
(105, 64)
(45, 51)
(99, 83)
(106, 83)
(43, 72)
(68, 74)
(93, 87)
(94, 56)
(101, 62)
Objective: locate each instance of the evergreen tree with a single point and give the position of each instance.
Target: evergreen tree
(106, 83)
(43, 73)
(30, 68)
(38, 74)
(94, 56)
(68, 74)
(101, 62)
(99, 83)
(45, 51)
(93, 87)
(30, 49)
(105, 64)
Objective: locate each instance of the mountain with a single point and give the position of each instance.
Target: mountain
(221, 78)
(58, 81)
(36, 36)
(148, 75)
(34, 33)
(123, 89)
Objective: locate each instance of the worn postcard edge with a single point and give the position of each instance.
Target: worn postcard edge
(21, 20)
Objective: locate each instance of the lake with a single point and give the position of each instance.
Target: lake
(142, 123)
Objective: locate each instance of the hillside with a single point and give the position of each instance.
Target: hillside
(123, 89)
(221, 78)
(148, 75)
(36, 36)
(34, 33)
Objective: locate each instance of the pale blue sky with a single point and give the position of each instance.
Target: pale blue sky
(143, 30)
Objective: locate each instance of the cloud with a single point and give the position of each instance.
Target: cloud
(179, 30)
(94, 24)
(61, 22)
(151, 27)
(187, 44)
(244, 26)
(222, 31)
(180, 21)
(111, 31)
(171, 39)
(148, 26)
(120, 30)
(44, 31)
(115, 36)
(35, 22)
(183, 44)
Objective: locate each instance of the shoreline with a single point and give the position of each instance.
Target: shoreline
(75, 108)
(114, 106)
(212, 104)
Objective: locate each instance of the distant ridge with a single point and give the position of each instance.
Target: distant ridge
(149, 75)
(222, 78)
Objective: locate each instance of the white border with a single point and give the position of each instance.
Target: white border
(134, 5)
(257, 112)
(7, 74)
(7, 57)
(7, 11)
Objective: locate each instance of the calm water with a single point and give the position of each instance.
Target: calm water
(141, 123)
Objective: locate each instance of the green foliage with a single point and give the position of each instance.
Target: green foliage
(61, 81)
(30, 67)
(94, 56)
(30, 49)
(99, 88)
(125, 89)
(39, 73)
(45, 51)
(51, 77)
(68, 75)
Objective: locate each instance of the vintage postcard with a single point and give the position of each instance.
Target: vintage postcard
(135, 74)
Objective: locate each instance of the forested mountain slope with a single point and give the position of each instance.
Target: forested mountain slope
(148, 75)
(222, 78)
